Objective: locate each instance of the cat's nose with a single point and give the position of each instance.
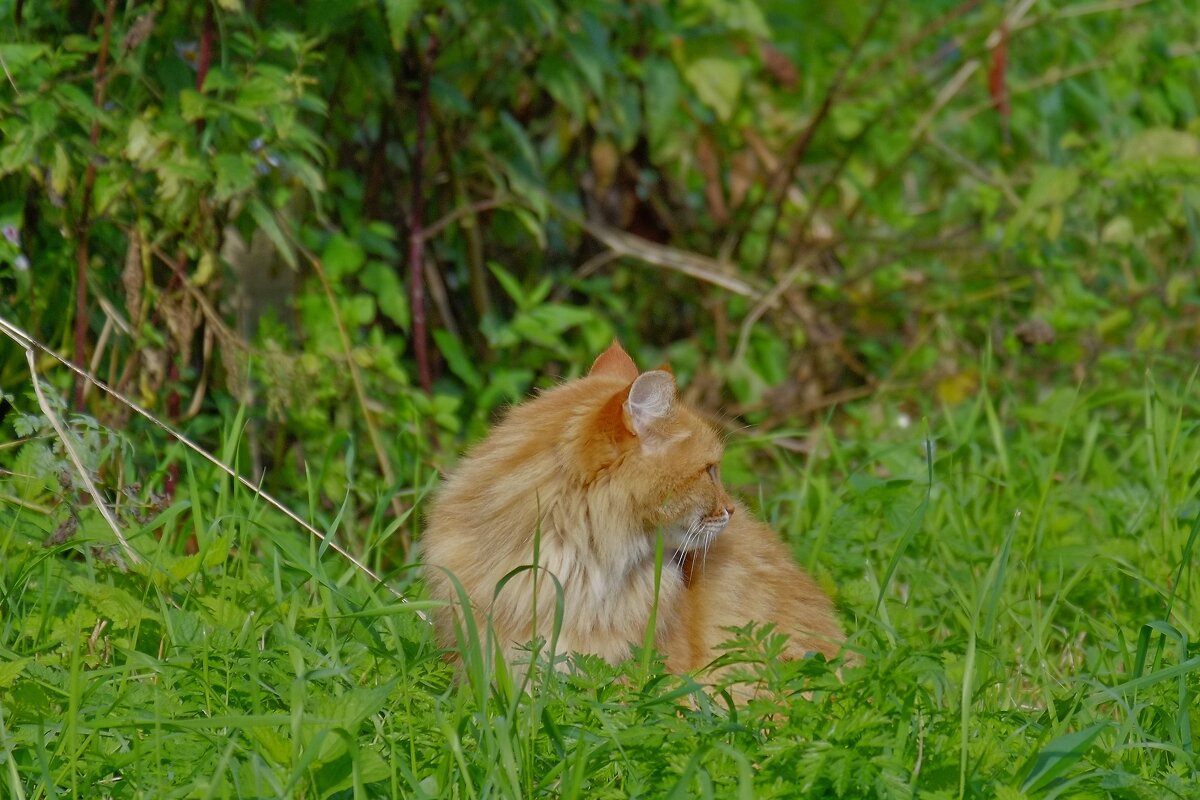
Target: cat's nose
(729, 510)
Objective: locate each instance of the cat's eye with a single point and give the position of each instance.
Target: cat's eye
(714, 472)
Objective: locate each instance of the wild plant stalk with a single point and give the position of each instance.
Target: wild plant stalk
(30, 344)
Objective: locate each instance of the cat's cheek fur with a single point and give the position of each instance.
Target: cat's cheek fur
(695, 533)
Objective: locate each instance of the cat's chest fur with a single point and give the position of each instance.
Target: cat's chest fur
(608, 591)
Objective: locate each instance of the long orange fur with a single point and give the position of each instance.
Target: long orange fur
(595, 468)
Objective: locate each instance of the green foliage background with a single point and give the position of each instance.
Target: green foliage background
(932, 265)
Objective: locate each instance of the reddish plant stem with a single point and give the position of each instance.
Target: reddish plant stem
(998, 81)
(208, 34)
(85, 210)
(416, 233)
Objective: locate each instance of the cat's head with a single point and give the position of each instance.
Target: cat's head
(662, 455)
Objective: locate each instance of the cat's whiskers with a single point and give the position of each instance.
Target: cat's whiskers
(692, 538)
(708, 537)
(685, 541)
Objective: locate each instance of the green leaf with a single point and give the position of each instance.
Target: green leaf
(662, 89)
(1157, 147)
(398, 12)
(265, 218)
(141, 143)
(17, 57)
(510, 285)
(366, 766)
(528, 155)
(1058, 756)
(742, 15)
(717, 81)
(342, 256)
(359, 309)
(219, 79)
(235, 174)
(111, 602)
(588, 48)
(532, 224)
(18, 151)
(109, 185)
(457, 359)
(192, 105)
(389, 293)
(556, 318)
(264, 89)
(11, 670)
(556, 75)
(60, 172)
(1051, 186)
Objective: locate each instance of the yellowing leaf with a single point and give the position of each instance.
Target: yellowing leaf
(957, 388)
(141, 145)
(60, 174)
(1156, 145)
(718, 82)
(1118, 230)
(205, 268)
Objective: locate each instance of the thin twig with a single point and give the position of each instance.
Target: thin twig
(974, 169)
(84, 475)
(906, 46)
(1052, 76)
(8, 75)
(944, 96)
(694, 265)
(85, 206)
(769, 299)
(385, 464)
(952, 87)
(585, 270)
(28, 342)
(471, 210)
(787, 176)
(472, 234)
(1084, 9)
(29, 504)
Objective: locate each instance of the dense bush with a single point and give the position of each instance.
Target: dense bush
(832, 203)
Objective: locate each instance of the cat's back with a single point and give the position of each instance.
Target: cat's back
(491, 497)
(749, 574)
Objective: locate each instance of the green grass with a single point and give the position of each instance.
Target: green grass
(1026, 606)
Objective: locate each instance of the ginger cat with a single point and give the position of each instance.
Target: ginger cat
(595, 468)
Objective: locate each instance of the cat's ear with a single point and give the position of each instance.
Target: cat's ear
(650, 399)
(616, 362)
